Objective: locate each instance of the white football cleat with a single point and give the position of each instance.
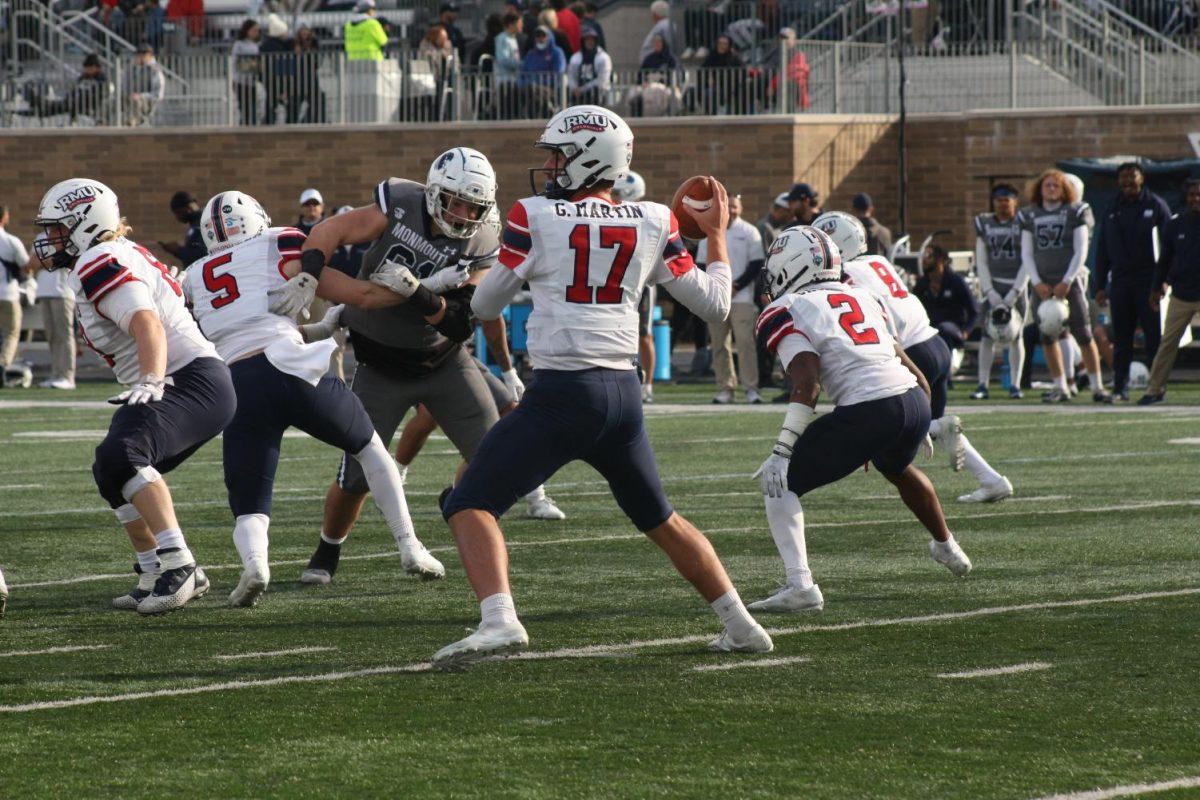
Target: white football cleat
(952, 431)
(174, 589)
(989, 493)
(488, 640)
(316, 577)
(544, 508)
(723, 397)
(145, 586)
(756, 641)
(251, 586)
(791, 599)
(418, 561)
(951, 556)
(753, 397)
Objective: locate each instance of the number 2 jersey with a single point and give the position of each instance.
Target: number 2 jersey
(114, 280)
(586, 263)
(848, 330)
(228, 292)
(905, 312)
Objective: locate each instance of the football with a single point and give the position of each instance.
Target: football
(694, 194)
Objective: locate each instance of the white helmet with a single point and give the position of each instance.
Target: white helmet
(492, 220)
(231, 218)
(86, 208)
(1052, 317)
(630, 188)
(1003, 326)
(846, 231)
(799, 256)
(1139, 376)
(596, 144)
(460, 174)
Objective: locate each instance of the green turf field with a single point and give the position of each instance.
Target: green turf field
(1093, 570)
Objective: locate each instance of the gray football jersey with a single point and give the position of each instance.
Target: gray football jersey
(1003, 240)
(1053, 237)
(412, 240)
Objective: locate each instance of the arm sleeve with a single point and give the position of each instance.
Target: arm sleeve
(494, 292)
(1079, 238)
(707, 294)
(1028, 267)
(981, 266)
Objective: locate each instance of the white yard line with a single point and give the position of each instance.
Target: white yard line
(12, 487)
(1131, 790)
(586, 651)
(1029, 666)
(764, 662)
(75, 648)
(295, 651)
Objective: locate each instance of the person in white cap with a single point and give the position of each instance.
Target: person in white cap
(777, 218)
(312, 210)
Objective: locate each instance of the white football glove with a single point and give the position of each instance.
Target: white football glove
(326, 327)
(773, 473)
(513, 382)
(148, 389)
(994, 299)
(446, 279)
(927, 447)
(1010, 299)
(398, 278)
(294, 297)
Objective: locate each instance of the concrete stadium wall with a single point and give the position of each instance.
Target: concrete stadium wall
(950, 159)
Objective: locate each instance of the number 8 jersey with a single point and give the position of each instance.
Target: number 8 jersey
(114, 280)
(848, 330)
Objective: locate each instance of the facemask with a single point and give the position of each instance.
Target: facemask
(542, 45)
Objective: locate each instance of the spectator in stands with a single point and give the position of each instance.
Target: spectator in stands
(187, 211)
(568, 23)
(590, 10)
(879, 238)
(720, 81)
(746, 257)
(493, 27)
(656, 94)
(699, 25)
(437, 49)
(508, 66)
(192, 14)
(1130, 233)
(312, 210)
(246, 69)
(797, 73)
(57, 304)
(364, 35)
(529, 10)
(1179, 269)
(548, 18)
(13, 258)
(660, 12)
(541, 73)
(156, 15)
(89, 98)
(778, 217)
(947, 299)
(306, 101)
(278, 66)
(147, 86)
(448, 16)
(805, 203)
(590, 70)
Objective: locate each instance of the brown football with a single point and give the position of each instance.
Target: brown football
(694, 193)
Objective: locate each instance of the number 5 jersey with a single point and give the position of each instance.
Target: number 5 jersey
(114, 280)
(848, 330)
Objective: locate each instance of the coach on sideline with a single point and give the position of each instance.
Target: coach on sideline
(1125, 265)
(1179, 268)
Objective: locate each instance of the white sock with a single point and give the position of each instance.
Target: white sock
(387, 490)
(1016, 361)
(537, 495)
(403, 470)
(250, 537)
(331, 540)
(733, 613)
(987, 352)
(498, 609)
(1068, 347)
(1095, 381)
(982, 470)
(148, 561)
(1062, 384)
(785, 516)
(949, 544)
(173, 538)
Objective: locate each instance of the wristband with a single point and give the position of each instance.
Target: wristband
(425, 302)
(312, 261)
(794, 422)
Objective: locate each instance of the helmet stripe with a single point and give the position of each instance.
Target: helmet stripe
(218, 223)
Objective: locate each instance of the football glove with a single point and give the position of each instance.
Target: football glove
(326, 327)
(513, 382)
(446, 279)
(994, 299)
(927, 447)
(398, 278)
(148, 389)
(294, 297)
(773, 475)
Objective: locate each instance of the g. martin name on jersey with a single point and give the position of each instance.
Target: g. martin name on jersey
(599, 211)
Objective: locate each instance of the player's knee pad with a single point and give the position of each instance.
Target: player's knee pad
(127, 514)
(142, 477)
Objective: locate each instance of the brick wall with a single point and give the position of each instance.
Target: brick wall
(950, 158)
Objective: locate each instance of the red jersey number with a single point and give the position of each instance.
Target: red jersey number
(852, 318)
(161, 267)
(624, 239)
(889, 279)
(224, 287)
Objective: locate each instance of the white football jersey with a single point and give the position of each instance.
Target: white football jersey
(586, 263)
(905, 312)
(847, 328)
(113, 280)
(228, 291)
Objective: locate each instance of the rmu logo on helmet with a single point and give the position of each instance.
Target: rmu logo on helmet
(76, 198)
(591, 121)
(778, 245)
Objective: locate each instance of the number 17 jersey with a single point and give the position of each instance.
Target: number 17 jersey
(848, 330)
